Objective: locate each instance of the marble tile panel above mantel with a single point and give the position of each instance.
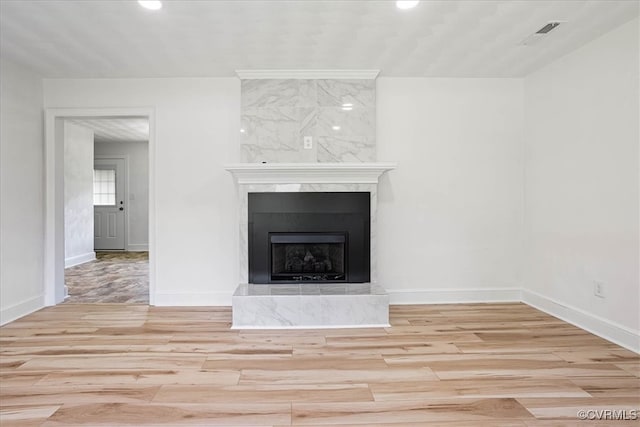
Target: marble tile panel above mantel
(277, 114)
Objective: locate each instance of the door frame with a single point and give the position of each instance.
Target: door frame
(125, 195)
(54, 291)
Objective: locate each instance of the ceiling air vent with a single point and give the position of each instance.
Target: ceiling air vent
(550, 26)
(537, 36)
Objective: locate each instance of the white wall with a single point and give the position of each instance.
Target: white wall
(21, 185)
(137, 154)
(454, 204)
(78, 195)
(197, 131)
(582, 185)
(450, 216)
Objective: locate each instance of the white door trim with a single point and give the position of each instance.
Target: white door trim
(54, 292)
(125, 196)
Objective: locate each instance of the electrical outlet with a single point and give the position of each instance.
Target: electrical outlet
(308, 143)
(598, 289)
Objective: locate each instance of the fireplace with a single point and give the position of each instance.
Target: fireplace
(334, 200)
(309, 237)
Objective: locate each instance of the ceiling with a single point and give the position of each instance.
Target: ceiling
(116, 129)
(112, 39)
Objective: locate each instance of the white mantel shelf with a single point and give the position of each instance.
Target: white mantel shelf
(309, 173)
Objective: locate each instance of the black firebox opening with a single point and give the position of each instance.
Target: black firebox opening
(309, 237)
(308, 257)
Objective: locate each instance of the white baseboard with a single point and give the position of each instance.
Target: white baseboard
(16, 311)
(79, 259)
(453, 296)
(138, 247)
(611, 331)
(193, 299)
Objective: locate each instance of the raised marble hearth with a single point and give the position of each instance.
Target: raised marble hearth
(310, 305)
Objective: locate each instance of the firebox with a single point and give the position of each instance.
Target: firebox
(308, 257)
(309, 237)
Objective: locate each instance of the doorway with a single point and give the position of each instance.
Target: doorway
(111, 178)
(116, 253)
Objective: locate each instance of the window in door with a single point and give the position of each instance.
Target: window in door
(104, 187)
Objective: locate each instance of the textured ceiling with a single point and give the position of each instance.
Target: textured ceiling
(116, 129)
(214, 38)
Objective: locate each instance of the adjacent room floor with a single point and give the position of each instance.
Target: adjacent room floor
(114, 277)
(442, 365)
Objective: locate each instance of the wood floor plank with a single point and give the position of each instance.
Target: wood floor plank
(8, 362)
(608, 355)
(381, 350)
(62, 350)
(58, 395)
(107, 340)
(9, 378)
(439, 359)
(335, 376)
(480, 388)
(524, 346)
(228, 346)
(632, 367)
(429, 411)
(604, 386)
(497, 367)
(227, 414)
(265, 393)
(140, 377)
(568, 407)
(121, 361)
(278, 338)
(26, 415)
(300, 363)
(399, 340)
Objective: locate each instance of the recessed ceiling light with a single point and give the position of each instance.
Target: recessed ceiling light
(407, 4)
(336, 127)
(150, 4)
(347, 106)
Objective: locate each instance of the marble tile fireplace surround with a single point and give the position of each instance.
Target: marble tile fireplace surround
(308, 131)
(308, 304)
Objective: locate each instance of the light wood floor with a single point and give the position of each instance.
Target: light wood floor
(442, 365)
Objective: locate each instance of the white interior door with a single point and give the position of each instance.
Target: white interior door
(108, 204)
